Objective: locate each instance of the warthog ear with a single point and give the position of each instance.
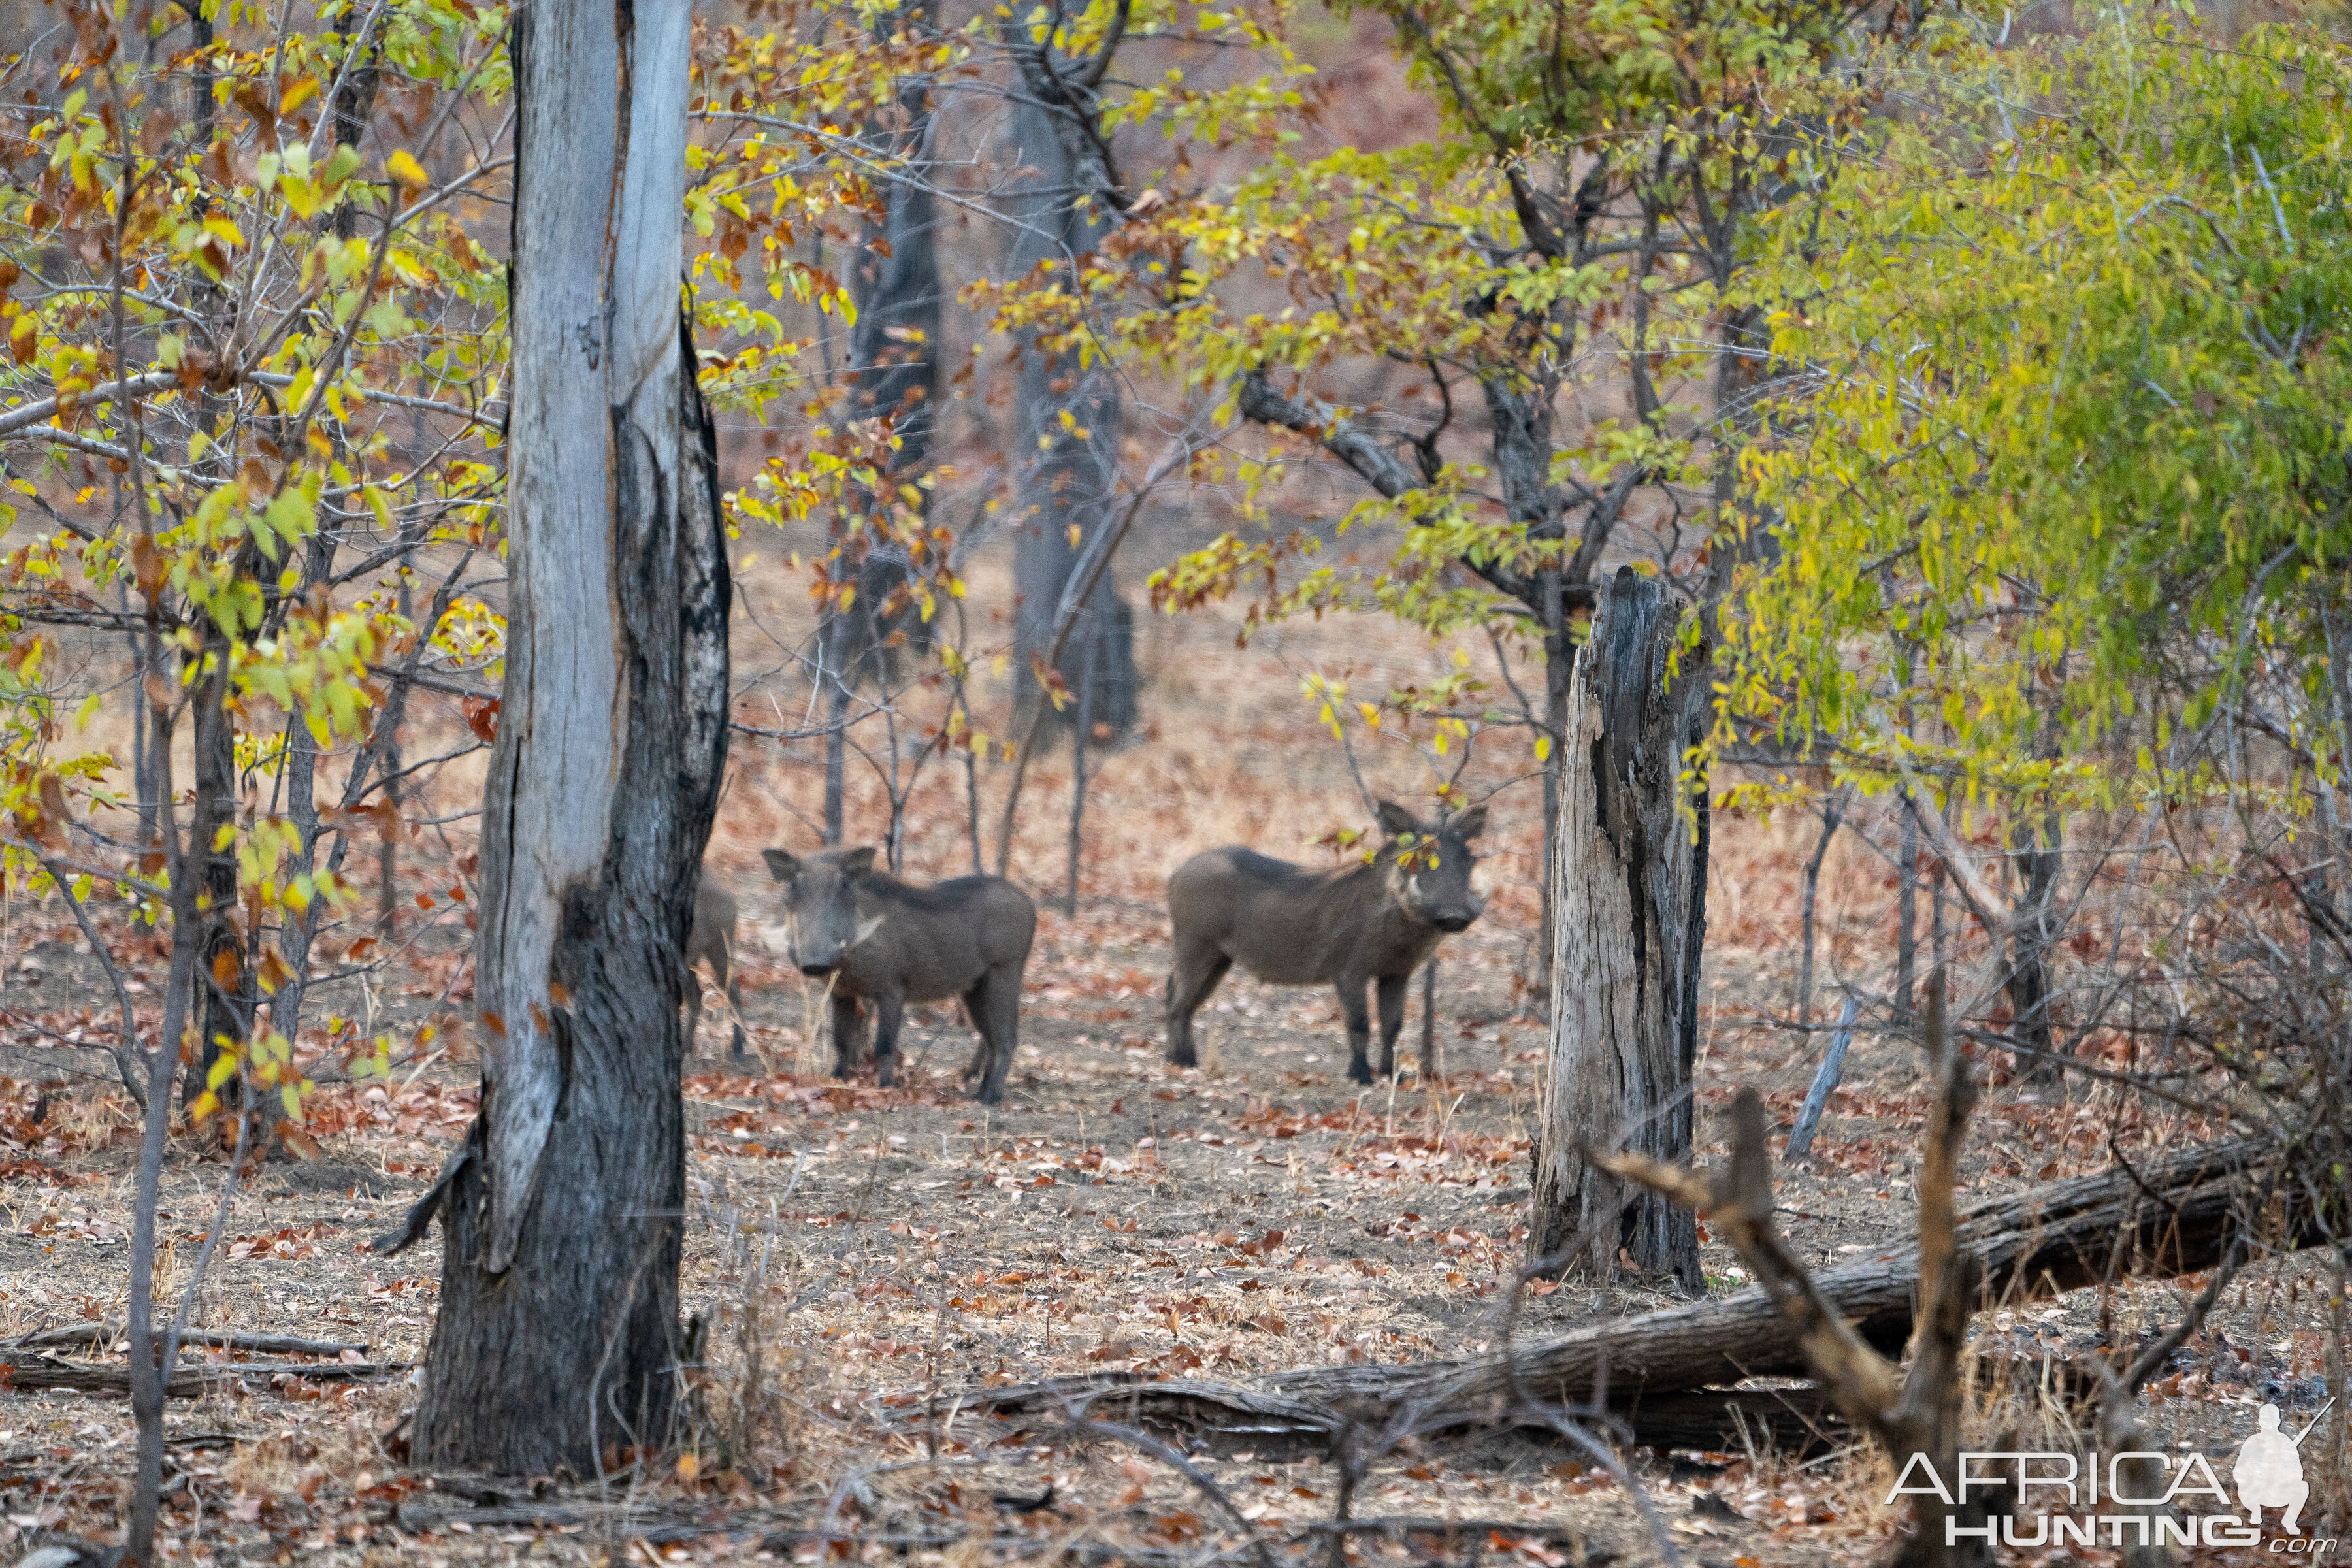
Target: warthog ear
(1470, 823)
(858, 862)
(784, 867)
(1395, 818)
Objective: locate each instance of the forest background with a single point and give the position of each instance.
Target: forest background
(1146, 427)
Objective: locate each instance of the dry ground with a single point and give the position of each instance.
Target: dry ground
(852, 1249)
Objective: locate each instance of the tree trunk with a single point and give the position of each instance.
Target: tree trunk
(2028, 982)
(1630, 893)
(836, 642)
(146, 762)
(1080, 734)
(1831, 814)
(1560, 673)
(894, 374)
(1906, 911)
(387, 863)
(556, 1342)
(1066, 473)
(220, 981)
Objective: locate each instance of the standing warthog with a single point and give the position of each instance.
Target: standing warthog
(870, 936)
(1292, 926)
(712, 941)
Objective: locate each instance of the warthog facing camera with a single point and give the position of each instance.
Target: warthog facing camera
(1292, 926)
(712, 941)
(872, 937)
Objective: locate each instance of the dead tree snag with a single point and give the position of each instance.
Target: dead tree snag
(556, 1343)
(1629, 917)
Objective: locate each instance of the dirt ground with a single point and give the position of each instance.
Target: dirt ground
(854, 1250)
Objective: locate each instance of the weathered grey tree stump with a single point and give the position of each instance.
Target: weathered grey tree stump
(1630, 870)
(556, 1342)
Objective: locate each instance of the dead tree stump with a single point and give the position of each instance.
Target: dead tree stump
(1630, 870)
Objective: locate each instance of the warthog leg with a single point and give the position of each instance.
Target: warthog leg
(693, 1006)
(888, 1010)
(846, 1032)
(994, 1006)
(1195, 976)
(1390, 989)
(732, 984)
(1360, 1028)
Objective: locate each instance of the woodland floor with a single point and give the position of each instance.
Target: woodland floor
(1113, 1213)
(871, 1246)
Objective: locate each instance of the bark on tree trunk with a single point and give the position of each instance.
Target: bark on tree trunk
(1906, 911)
(2028, 982)
(145, 759)
(1630, 894)
(387, 863)
(219, 980)
(894, 373)
(557, 1333)
(1831, 814)
(837, 639)
(1079, 734)
(1560, 673)
(1066, 473)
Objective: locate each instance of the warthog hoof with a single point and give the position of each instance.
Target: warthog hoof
(1360, 1071)
(1184, 1056)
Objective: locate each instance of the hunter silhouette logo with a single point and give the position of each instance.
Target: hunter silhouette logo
(2269, 1471)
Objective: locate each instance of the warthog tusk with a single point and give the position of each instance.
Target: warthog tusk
(866, 928)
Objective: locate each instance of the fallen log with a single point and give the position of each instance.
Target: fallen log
(1795, 1420)
(102, 1335)
(2166, 1218)
(21, 1373)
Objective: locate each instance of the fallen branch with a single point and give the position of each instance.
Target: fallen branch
(1912, 1414)
(101, 1336)
(2038, 1242)
(20, 1373)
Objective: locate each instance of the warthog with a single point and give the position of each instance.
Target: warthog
(712, 941)
(872, 937)
(1293, 926)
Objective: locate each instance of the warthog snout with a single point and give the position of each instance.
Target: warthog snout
(821, 920)
(1436, 863)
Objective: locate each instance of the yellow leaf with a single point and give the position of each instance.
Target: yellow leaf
(403, 167)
